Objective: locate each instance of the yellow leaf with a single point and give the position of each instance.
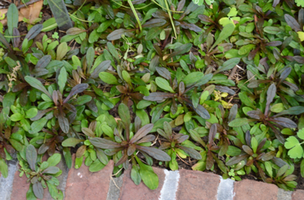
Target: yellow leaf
(301, 35)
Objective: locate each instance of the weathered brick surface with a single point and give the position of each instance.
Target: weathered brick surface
(254, 190)
(20, 187)
(130, 191)
(85, 185)
(195, 185)
(298, 195)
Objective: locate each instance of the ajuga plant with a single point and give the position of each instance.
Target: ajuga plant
(40, 174)
(273, 75)
(253, 154)
(173, 144)
(179, 91)
(124, 146)
(63, 109)
(96, 159)
(275, 122)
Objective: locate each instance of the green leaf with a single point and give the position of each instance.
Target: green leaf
(96, 166)
(49, 25)
(37, 126)
(163, 84)
(3, 168)
(16, 117)
(54, 159)
(108, 78)
(300, 133)
(31, 113)
(12, 18)
(238, 122)
(229, 64)
(135, 175)
(296, 150)
(225, 33)
(71, 142)
(62, 79)
(62, 49)
(148, 176)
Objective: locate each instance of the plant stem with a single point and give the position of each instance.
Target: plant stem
(172, 22)
(135, 14)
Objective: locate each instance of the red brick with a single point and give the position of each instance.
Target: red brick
(130, 191)
(298, 195)
(20, 187)
(83, 184)
(253, 190)
(197, 185)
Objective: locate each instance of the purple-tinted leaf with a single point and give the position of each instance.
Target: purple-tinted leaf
(255, 114)
(181, 5)
(104, 143)
(155, 153)
(34, 31)
(38, 189)
(131, 149)
(204, 80)
(262, 143)
(40, 114)
(248, 138)
(275, 3)
(285, 73)
(156, 22)
(225, 89)
(191, 27)
(19, 87)
(51, 170)
(63, 123)
(287, 123)
(236, 159)
(247, 149)
(274, 43)
(292, 86)
(142, 132)
(181, 88)
(192, 153)
(36, 84)
(299, 59)
(271, 92)
(101, 68)
(200, 110)
(158, 96)
(292, 22)
(268, 156)
(163, 72)
(16, 39)
(212, 133)
(116, 34)
(77, 89)
(148, 138)
(296, 110)
(31, 156)
(180, 137)
(43, 62)
(205, 18)
(232, 112)
(88, 132)
(122, 160)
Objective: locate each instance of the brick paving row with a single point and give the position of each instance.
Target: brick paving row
(80, 184)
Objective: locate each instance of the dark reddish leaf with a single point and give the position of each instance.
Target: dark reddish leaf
(163, 72)
(285, 73)
(155, 153)
(180, 137)
(212, 133)
(157, 22)
(19, 87)
(158, 96)
(40, 114)
(181, 5)
(37, 187)
(142, 132)
(122, 160)
(292, 86)
(192, 153)
(148, 138)
(268, 156)
(271, 92)
(210, 160)
(236, 159)
(205, 18)
(103, 66)
(63, 123)
(232, 112)
(34, 31)
(292, 22)
(248, 138)
(191, 27)
(16, 39)
(43, 148)
(287, 123)
(77, 89)
(131, 149)
(274, 43)
(201, 111)
(247, 149)
(116, 34)
(43, 62)
(255, 114)
(104, 143)
(262, 143)
(299, 59)
(181, 88)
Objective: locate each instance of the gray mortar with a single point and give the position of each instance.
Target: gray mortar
(6, 184)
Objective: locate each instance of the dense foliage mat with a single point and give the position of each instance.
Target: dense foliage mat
(216, 84)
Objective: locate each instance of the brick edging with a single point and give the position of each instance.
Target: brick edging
(180, 185)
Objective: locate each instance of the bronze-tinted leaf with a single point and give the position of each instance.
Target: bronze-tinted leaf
(19, 87)
(104, 143)
(88, 132)
(292, 86)
(116, 34)
(236, 159)
(212, 133)
(210, 160)
(43, 62)
(180, 5)
(255, 114)
(31, 156)
(285, 73)
(34, 31)
(296, 110)
(142, 132)
(155, 153)
(102, 156)
(43, 148)
(262, 143)
(158, 96)
(180, 137)
(167, 129)
(163, 72)
(191, 27)
(156, 22)
(299, 59)
(75, 90)
(38, 189)
(122, 160)
(131, 149)
(268, 156)
(147, 138)
(16, 39)
(63, 123)
(292, 22)
(181, 88)
(271, 92)
(192, 153)
(103, 66)
(74, 31)
(205, 18)
(247, 149)
(287, 123)
(274, 43)
(232, 112)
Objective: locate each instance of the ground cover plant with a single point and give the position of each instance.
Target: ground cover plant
(208, 85)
